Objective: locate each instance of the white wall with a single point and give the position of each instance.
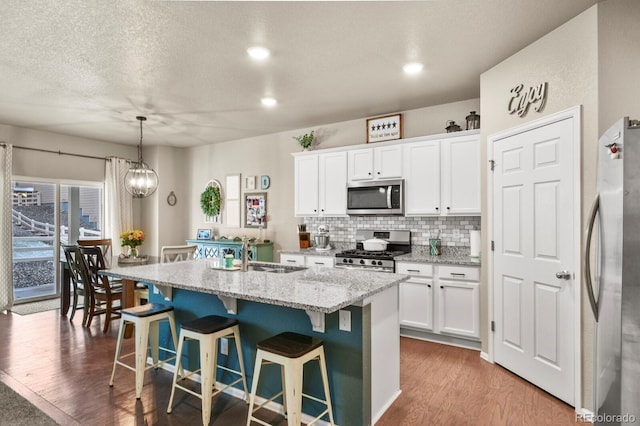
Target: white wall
(271, 155)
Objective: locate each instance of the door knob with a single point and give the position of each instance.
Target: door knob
(563, 275)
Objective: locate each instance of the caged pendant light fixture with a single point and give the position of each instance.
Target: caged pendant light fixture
(141, 180)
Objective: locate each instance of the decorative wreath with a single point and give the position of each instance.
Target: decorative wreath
(210, 201)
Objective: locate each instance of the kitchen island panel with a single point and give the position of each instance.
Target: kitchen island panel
(346, 363)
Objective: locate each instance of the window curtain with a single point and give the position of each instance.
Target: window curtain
(6, 230)
(118, 203)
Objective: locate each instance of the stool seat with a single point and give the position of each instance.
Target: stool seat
(209, 324)
(291, 351)
(290, 345)
(208, 331)
(147, 310)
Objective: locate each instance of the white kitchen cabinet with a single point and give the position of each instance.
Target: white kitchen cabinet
(440, 299)
(458, 308)
(292, 259)
(383, 162)
(460, 175)
(442, 177)
(416, 303)
(421, 172)
(321, 184)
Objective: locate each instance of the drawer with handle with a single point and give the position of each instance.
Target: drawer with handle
(292, 259)
(326, 261)
(464, 273)
(415, 269)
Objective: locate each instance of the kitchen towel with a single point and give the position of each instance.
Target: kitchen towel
(474, 239)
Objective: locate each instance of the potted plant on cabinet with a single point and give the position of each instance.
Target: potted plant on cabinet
(305, 140)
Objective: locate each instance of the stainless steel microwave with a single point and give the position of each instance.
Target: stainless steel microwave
(384, 197)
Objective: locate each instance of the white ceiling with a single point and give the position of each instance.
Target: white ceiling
(88, 67)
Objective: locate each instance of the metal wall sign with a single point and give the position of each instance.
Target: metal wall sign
(521, 100)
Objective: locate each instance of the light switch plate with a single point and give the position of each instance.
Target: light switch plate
(345, 320)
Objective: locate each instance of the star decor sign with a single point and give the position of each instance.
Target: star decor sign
(384, 128)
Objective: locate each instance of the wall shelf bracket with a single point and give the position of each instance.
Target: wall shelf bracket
(317, 320)
(230, 304)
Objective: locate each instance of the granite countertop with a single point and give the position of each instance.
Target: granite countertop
(313, 252)
(450, 255)
(317, 289)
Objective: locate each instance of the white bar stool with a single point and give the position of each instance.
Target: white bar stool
(208, 330)
(291, 351)
(146, 319)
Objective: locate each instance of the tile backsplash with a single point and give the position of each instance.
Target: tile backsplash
(454, 230)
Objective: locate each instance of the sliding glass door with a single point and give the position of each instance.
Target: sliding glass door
(44, 215)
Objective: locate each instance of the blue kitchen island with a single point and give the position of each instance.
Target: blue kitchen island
(363, 362)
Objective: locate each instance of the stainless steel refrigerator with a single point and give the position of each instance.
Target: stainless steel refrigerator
(613, 275)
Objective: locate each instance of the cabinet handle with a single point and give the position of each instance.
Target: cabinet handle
(322, 210)
(378, 172)
(429, 285)
(442, 287)
(318, 263)
(448, 208)
(457, 274)
(413, 270)
(437, 208)
(315, 211)
(369, 173)
(291, 261)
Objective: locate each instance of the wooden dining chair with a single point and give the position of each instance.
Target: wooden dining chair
(74, 263)
(103, 292)
(105, 245)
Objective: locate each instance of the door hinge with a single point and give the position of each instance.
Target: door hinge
(493, 326)
(492, 163)
(493, 245)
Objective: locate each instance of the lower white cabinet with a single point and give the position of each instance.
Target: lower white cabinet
(303, 260)
(442, 299)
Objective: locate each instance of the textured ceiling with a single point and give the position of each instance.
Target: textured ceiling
(88, 67)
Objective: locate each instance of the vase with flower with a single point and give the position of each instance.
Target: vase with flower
(132, 239)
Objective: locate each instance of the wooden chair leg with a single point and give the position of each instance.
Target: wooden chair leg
(75, 304)
(107, 318)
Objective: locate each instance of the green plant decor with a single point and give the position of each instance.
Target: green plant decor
(210, 201)
(305, 140)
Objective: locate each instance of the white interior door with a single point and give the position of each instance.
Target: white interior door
(533, 225)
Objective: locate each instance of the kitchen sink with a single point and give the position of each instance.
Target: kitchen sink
(274, 268)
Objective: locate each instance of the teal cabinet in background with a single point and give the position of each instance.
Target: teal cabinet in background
(262, 252)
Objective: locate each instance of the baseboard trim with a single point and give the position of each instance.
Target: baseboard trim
(485, 356)
(440, 338)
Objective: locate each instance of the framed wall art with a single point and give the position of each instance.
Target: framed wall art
(255, 210)
(385, 128)
(204, 234)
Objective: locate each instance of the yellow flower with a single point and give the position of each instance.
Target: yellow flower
(132, 238)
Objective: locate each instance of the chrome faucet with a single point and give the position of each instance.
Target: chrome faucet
(245, 254)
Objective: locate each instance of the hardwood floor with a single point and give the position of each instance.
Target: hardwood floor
(64, 369)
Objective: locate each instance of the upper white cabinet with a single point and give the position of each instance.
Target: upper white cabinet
(383, 162)
(442, 177)
(461, 175)
(422, 178)
(321, 184)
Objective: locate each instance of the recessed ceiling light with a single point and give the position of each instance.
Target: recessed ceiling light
(268, 102)
(413, 68)
(258, 52)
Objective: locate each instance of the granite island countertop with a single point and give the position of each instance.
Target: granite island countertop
(317, 289)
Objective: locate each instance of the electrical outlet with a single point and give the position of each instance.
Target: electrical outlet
(456, 233)
(224, 346)
(345, 320)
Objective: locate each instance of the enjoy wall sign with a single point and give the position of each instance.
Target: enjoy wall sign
(521, 100)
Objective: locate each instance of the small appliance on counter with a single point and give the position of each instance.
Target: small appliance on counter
(322, 238)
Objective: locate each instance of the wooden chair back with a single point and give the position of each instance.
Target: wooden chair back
(105, 245)
(177, 253)
(72, 254)
(94, 262)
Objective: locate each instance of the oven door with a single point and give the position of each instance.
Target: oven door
(380, 197)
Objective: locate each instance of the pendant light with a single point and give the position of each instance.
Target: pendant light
(141, 180)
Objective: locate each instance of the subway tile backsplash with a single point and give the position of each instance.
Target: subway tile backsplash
(454, 230)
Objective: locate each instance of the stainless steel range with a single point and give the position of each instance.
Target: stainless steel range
(399, 243)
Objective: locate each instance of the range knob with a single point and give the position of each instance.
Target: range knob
(350, 260)
(373, 262)
(380, 262)
(361, 262)
(344, 260)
